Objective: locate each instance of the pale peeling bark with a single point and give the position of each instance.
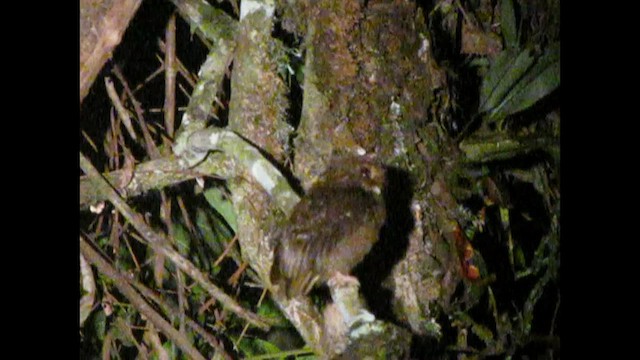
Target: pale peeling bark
(102, 24)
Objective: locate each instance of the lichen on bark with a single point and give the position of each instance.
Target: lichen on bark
(257, 111)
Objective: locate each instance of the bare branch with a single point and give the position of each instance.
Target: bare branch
(170, 76)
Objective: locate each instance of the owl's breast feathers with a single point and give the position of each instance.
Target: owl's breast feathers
(330, 230)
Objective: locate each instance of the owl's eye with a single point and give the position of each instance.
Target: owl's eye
(365, 172)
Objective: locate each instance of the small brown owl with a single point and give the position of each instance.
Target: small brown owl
(332, 228)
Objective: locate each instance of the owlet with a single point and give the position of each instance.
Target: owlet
(332, 228)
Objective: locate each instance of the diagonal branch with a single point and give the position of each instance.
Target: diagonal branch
(154, 174)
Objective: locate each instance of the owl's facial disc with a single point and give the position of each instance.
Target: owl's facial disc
(373, 177)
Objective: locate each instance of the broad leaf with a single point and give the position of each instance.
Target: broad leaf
(221, 203)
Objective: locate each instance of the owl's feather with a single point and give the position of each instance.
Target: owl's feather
(332, 228)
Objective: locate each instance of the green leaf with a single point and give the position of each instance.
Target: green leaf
(255, 346)
(484, 150)
(508, 24)
(267, 347)
(515, 83)
(100, 324)
(541, 80)
(483, 332)
(269, 310)
(221, 203)
(508, 68)
(209, 231)
(182, 238)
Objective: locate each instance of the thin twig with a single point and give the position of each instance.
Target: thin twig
(165, 211)
(185, 215)
(226, 251)
(151, 147)
(153, 75)
(172, 311)
(170, 76)
(244, 330)
(185, 93)
(114, 235)
(123, 113)
(91, 143)
(133, 256)
(188, 76)
(207, 304)
(235, 277)
(111, 142)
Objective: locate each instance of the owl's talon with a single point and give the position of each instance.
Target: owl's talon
(363, 317)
